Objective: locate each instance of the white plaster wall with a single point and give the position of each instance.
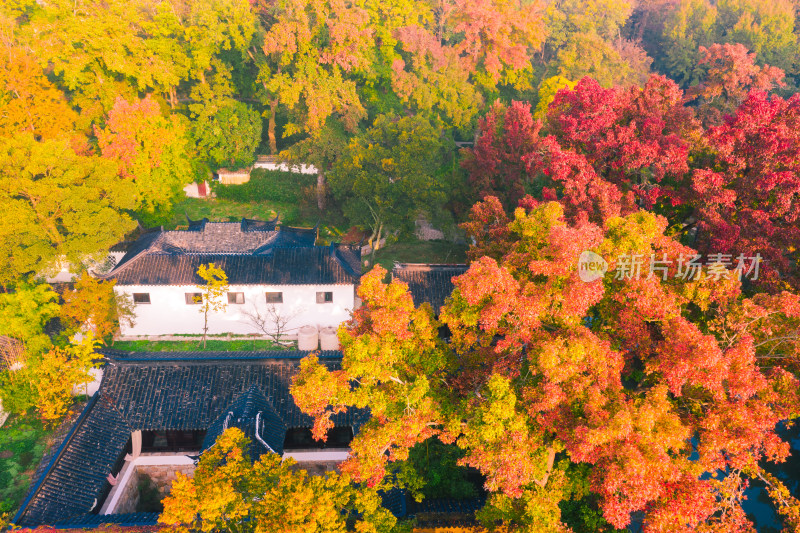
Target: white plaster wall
(297, 169)
(168, 314)
(124, 475)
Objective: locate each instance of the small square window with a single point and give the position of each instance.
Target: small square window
(274, 297)
(324, 297)
(235, 297)
(141, 297)
(194, 298)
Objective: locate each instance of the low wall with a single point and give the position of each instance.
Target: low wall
(161, 468)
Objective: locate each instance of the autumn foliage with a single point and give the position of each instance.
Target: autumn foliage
(602, 152)
(229, 491)
(651, 381)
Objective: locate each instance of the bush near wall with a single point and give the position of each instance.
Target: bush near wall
(267, 185)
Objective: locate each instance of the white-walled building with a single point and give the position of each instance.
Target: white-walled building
(271, 271)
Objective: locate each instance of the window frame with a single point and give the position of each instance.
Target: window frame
(279, 299)
(324, 297)
(140, 294)
(235, 294)
(189, 297)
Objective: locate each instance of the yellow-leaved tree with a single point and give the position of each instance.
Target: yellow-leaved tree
(213, 291)
(56, 372)
(230, 492)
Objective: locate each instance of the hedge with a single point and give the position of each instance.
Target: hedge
(267, 185)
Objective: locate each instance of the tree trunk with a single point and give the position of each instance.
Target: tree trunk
(377, 243)
(205, 328)
(273, 142)
(551, 456)
(321, 185)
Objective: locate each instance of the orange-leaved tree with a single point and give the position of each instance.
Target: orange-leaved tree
(92, 305)
(632, 375)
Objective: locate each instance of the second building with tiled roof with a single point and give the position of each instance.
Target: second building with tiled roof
(274, 272)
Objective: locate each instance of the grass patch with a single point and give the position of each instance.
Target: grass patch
(221, 210)
(417, 252)
(268, 186)
(23, 441)
(238, 345)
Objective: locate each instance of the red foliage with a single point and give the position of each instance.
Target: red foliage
(731, 74)
(497, 164)
(748, 202)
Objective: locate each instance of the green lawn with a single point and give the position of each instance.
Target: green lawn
(417, 252)
(22, 444)
(239, 345)
(226, 210)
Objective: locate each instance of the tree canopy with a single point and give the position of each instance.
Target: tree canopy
(652, 381)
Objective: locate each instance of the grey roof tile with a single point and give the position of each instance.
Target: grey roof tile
(250, 252)
(165, 391)
(431, 283)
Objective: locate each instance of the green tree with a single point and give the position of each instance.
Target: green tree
(151, 149)
(99, 51)
(585, 39)
(213, 293)
(25, 311)
(227, 133)
(230, 492)
(321, 149)
(57, 206)
(388, 175)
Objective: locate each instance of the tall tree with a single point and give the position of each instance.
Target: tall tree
(100, 51)
(152, 151)
(497, 164)
(387, 176)
(57, 206)
(585, 39)
(227, 134)
(231, 492)
(623, 373)
(309, 48)
(29, 102)
(24, 313)
(92, 306)
(748, 198)
(215, 288)
(607, 152)
(730, 74)
(56, 372)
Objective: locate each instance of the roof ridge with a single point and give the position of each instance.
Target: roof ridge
(126, 357)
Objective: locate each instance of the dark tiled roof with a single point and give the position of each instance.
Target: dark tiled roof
(144, 357)
(158, 391)
(282, 266)
(77, 471)
(429, 283)
(190, 395)
(256, 417)
(212, 237)
(249, 224)
(250, 252)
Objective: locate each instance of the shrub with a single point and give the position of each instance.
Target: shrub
(267, 185)
(149, 496)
